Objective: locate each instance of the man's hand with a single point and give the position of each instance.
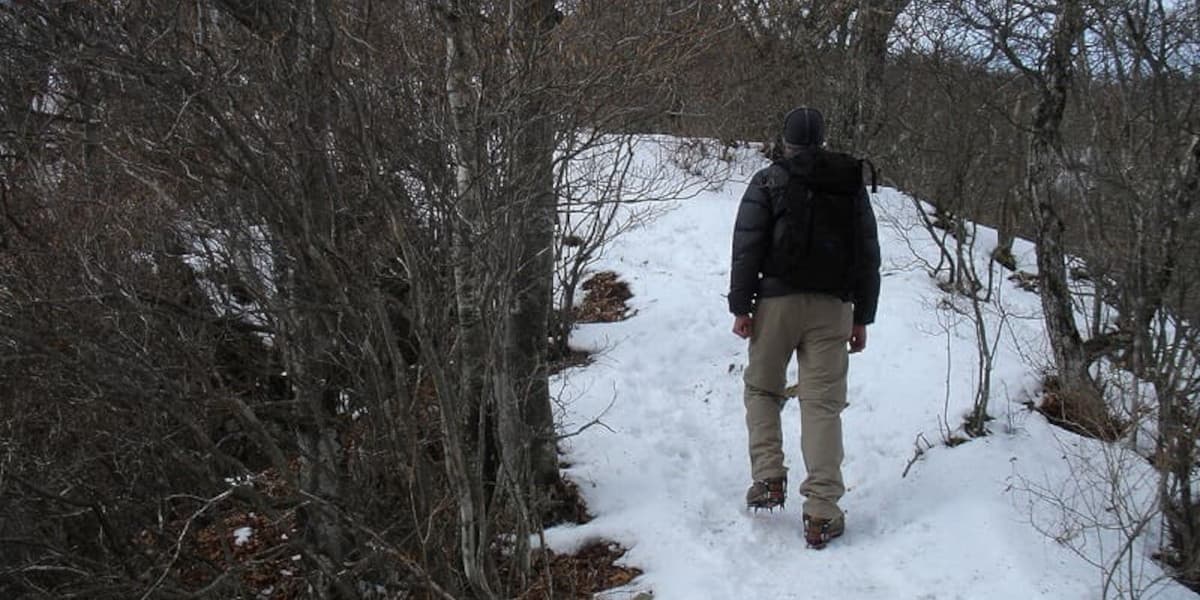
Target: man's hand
(743, 326)
(858, 338)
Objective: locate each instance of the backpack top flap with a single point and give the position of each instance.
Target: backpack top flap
(828, 172)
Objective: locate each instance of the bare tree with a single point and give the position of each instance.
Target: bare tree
(830, 54)
(861, 109)
(1040, 41)
(1140, 167)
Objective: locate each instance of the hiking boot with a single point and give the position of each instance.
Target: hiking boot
(818, 532)
(767, 493)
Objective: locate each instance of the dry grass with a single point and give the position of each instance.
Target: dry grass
(1071, 410)
(605, 299)
(581, 575)
(589, 570)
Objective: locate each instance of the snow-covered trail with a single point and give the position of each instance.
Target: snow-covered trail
(667, 474)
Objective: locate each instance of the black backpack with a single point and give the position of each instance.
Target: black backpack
(819, 245)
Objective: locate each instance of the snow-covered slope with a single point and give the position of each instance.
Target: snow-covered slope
(667, 474)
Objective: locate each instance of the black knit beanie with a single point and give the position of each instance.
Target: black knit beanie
(804, 126)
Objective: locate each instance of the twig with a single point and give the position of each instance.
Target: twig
(411, 565)
(918, 452)
(593, 423)
(182, 534)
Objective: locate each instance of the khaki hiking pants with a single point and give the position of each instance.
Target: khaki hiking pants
(816, 328)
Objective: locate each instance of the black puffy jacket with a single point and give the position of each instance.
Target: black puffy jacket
(758, 231)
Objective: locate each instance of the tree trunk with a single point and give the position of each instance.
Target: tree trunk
(1006, 234)
(862, 108)
(464, 413)
(530, 318)
(526, 422)
(1178, 418)
(307, 51)
(1043, 168)
(1010, 204)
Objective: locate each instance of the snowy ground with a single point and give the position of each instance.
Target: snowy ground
(666, 475)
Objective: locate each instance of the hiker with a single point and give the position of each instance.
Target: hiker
(804, 280)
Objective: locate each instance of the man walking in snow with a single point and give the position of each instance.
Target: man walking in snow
(804, 280)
